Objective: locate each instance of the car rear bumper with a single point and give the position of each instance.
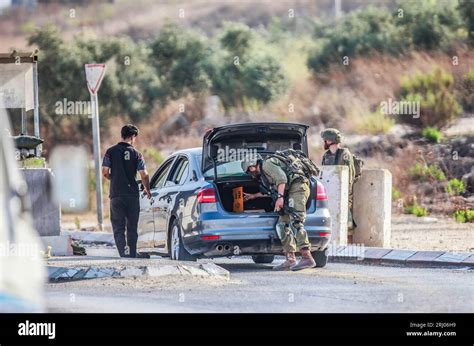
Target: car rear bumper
(251, 234)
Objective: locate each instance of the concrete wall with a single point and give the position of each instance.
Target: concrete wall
(46, 214)
(336, 182)
(373, 208)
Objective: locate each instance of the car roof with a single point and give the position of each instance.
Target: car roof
(192, 151)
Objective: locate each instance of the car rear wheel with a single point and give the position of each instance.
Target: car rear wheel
(263, 258)
(321, 258)
(177, 250)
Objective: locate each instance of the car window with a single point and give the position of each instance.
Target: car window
(183, 174)
(160, 176)
(179, 172)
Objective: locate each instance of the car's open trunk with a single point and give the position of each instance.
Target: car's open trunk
(250, 186)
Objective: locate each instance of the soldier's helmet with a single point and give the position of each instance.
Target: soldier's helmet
(333, 135)
(250, 161)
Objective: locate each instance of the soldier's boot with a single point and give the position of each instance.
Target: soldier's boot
(290, 261)
(307, 261)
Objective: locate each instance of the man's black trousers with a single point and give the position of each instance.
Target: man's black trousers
(124, 213)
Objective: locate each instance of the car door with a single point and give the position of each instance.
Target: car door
(146, 223)
(167, 199)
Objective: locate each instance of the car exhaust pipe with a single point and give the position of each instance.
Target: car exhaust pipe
(227, 247)
(219, 248)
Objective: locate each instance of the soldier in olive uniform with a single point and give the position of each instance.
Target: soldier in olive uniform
(336, 155)
(294, 191)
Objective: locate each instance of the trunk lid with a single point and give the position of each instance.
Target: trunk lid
(224, 147)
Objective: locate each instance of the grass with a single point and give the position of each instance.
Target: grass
(33, 162)
(425, 172)
(416, 210)
(455, 187)
(464, 215)
(432, 134)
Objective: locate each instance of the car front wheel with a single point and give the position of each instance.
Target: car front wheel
(177, 250)
(263, 258)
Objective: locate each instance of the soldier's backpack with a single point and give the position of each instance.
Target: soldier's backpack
(297, 163)
(358, 163)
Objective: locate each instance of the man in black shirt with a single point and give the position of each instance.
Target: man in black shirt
(120, 165)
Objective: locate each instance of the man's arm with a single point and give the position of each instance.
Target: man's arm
(106, 172)
(146, 182)
(106, 165)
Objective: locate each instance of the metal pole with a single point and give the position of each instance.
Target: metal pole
(97, 156)
(24, 127)
(36, 107)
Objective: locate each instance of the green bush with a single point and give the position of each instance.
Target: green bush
(467, 91)
(435, 95)
(179, 57)
(416, 210)
(359, 33)
(396, 195)
(376, 123)
(244, 72)
(455, 187)
(432, 134)
(425, 24)
(464, 215)
(424, 172)
(466, 8)
(430, 24)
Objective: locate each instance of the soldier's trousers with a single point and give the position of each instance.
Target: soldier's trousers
(290, 226)
(350, 213)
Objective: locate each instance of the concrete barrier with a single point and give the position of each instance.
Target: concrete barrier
(336, 182)
(373, 208)
(46, 213)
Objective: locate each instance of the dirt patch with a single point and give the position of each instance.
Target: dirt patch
(431, 233)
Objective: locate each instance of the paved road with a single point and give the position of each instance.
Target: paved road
(255, 288)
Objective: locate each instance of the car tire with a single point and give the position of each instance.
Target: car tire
(263, 259)
(321, 258)
(176, 248)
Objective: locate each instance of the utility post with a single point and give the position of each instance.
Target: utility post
(94, 75)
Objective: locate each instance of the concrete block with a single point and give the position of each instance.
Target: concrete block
(398, 255)
(425, 256)
(470, 259)
(375, 253)
(46, 213)
(162, 270)
(60, 245)
(214, 270)
(373, 208)
(131, 271)
(336, 181)
(453, 257)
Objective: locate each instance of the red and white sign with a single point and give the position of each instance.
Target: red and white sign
(94, 75)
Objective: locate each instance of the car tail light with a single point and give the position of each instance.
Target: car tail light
(206, 196)
(210, 237)
(324, 234)
(321, 192)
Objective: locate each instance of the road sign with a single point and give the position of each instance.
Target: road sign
(94, 75)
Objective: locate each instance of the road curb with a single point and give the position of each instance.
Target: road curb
(61, 274)
(359, 254)
(88, 237)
